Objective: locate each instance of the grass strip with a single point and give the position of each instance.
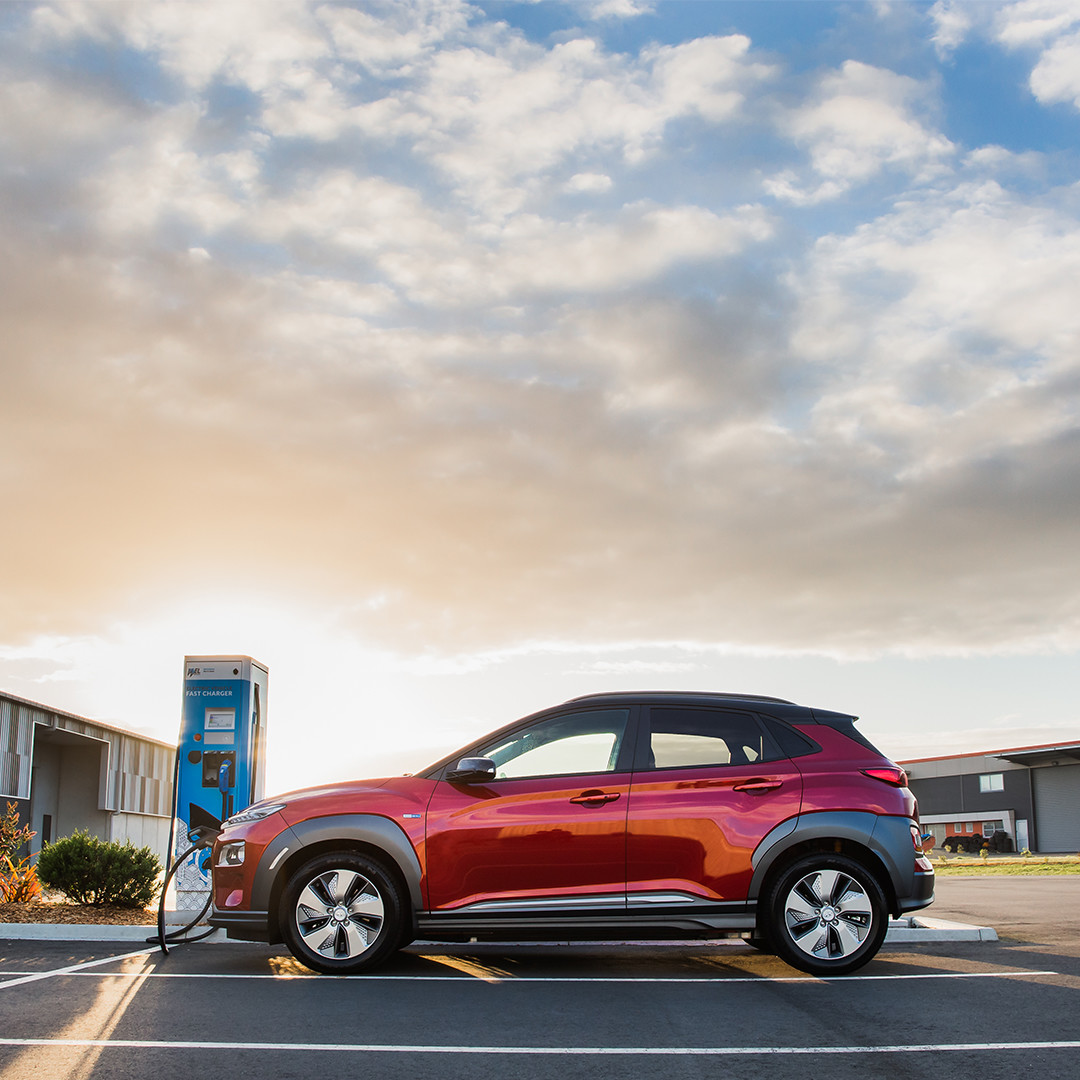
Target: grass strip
(1025, 868)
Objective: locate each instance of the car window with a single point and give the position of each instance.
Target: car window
(584, 742)
(691, 737)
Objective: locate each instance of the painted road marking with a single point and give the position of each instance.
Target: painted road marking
(468, 977)
(72, 969)
(587, 1051)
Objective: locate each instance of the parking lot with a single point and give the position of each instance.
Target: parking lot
(952, 1009)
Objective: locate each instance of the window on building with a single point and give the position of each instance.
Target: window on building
(991, 827)
(994, 781)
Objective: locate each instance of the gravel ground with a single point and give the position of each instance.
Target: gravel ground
(62, 911)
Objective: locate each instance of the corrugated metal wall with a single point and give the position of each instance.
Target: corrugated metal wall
(15, 744)
(1057, 808)
(137, 778)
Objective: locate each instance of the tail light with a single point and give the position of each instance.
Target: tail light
(894, 776)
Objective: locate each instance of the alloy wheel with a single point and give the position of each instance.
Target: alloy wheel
(339, 914)
(828, 914)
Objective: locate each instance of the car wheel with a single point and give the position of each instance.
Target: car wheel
(827, 915)
(342, 913)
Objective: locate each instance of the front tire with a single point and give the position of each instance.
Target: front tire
(342, 913)
(827, 915)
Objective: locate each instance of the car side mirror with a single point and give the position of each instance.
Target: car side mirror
(472, 770)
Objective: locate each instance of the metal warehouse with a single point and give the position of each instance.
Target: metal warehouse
(1032, 793)
(65, 772)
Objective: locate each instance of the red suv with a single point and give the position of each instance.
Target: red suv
(612, 816)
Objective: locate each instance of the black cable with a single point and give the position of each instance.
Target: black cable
(176, 937)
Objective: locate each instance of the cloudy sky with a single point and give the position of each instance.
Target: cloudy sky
(455, 358)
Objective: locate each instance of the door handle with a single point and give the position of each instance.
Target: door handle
(758, 786)
(595, 797)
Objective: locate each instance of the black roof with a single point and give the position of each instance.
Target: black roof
(773, 706)
(679, 695)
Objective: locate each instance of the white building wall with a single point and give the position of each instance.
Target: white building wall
(142, 830)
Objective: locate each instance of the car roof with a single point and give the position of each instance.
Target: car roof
(773, 706)
(678, 695)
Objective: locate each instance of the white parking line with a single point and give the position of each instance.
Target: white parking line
(587, 1051)
(468, 979)
(72, 969)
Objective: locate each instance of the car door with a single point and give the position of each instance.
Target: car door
(550, 828)
(708, 785)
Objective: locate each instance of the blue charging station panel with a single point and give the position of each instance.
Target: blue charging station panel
(221, 755)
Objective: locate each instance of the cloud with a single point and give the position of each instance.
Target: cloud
(947, 342)
(1026, 22)
(618, 9)
(578, 256)
(1047, 29)
(861, 120)
(573, 101)
(256, 45)
(953, 21)
(592, 183)
(493, 113)
(1056, 77)
(475, 342)
(1053, 28)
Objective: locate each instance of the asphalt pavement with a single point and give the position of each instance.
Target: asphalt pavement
(952, 1009)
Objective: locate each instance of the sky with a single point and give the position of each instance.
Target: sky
(454, 359)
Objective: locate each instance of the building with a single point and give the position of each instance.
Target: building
(65, 772)
(1032, 793)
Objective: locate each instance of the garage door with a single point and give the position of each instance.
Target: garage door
(1057, 807)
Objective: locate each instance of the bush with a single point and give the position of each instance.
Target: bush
(18, 881)
(92, 871)
(12, 836)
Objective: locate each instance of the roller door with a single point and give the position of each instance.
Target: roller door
(1057, 807)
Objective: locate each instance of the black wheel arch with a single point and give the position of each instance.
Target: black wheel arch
(848, 834)
(374, 837)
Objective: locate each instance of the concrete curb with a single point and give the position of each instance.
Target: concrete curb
(917, 928)
(911, 930)
(91, 932)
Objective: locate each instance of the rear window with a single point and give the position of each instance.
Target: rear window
(792, 743)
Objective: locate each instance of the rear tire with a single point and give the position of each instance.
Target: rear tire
(827, 915)
(342, 914)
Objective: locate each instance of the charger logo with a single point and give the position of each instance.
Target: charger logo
(193, 671)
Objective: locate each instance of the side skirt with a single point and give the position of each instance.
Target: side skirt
(716, 921)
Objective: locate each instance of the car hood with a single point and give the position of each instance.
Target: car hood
(390, 796)
(345, 789)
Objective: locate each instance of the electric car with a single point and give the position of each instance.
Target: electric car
(612, 816)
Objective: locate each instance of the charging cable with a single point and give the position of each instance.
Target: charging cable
(203, 838)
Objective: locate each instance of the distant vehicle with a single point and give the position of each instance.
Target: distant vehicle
(613, 816)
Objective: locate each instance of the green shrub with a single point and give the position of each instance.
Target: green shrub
(92, 871)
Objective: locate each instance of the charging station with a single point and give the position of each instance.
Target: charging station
(220, 757)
